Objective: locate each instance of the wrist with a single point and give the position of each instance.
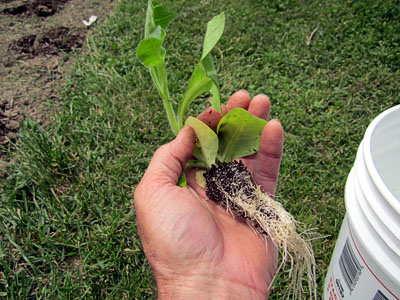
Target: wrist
(205, 288)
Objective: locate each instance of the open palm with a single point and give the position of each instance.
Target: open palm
(194, 246)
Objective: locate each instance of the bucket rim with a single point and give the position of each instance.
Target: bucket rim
(373, 172)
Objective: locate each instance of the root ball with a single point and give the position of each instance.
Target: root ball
(231, 185)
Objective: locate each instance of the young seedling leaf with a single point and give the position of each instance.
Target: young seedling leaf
(157, 15)
(209, 67)
(150, 52)
(149, 25)
(204, 77)
(195, 164)
(198, 154)
(199, 83)
(207, 140)
(239, 134)
(215, 29)
(162, 16)
(215, 99)
(182, 180)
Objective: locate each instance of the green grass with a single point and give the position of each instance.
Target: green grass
(67, 227)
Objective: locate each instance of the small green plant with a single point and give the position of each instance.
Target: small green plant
(152, 54)
(238, 134)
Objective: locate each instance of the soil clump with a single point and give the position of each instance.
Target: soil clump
(51, 42)
(40, 8)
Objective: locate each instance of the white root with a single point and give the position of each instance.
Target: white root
(268, 218)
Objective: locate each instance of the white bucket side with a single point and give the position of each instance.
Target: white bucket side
(377, 211)
(366, 260)
(380, 259)
(355, 272)
(377, 127)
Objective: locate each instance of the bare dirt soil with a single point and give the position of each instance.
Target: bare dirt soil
(35, 39)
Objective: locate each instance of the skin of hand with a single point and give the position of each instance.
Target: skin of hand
(196, 249)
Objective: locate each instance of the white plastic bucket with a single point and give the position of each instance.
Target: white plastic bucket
(366, 261)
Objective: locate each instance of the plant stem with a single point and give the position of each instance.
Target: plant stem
(159, 75)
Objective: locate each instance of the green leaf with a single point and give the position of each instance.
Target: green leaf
(199, 83)
(149, 52)
(209, 67)
(162, 16)
(157, 15)
(149, 24)
(207, 140)
(204, 77)
(182, 180)
(195, 164)
(239, 134)
(215, 29)
(198, 154)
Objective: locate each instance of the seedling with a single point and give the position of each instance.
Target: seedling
(228, 182)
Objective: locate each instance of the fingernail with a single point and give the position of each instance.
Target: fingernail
(243, 90)
(277, 120)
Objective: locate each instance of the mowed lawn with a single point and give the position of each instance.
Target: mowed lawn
(67, 223)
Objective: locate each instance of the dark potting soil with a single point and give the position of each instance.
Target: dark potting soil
(234, 179)
(231, 178)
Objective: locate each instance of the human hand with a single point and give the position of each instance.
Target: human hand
(195, 248)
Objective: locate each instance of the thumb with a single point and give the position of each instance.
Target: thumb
(170, 159)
